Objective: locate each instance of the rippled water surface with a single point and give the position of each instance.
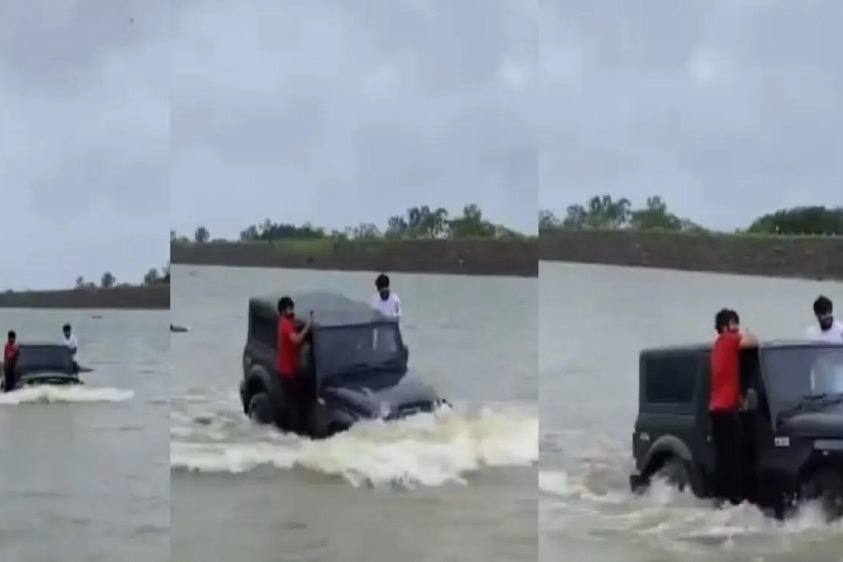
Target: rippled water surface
(457, 486)
(594, 320)
(84, 471)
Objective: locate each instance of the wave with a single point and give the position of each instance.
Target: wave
(590, 495)
(47, 394)
(424, 450)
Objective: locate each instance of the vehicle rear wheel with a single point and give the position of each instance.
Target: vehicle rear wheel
(825, 485)
(676, 473)
(260, 408)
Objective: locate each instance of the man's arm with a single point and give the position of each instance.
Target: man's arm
(297, 337)
(748, 340)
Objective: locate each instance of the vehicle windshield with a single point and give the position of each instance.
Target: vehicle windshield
(340, 350)
(40, 358)
(797, 372)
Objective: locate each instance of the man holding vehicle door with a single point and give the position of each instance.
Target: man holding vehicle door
(292, 382)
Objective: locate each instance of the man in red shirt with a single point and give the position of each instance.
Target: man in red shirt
(725, 401)
(289, 345)
(10, 360)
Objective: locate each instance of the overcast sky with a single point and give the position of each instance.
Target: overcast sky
(342, 112)
(729, 109)
(83, 140)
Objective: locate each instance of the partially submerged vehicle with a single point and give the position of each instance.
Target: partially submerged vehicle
(354, 359)
(792, 420)
(46, 363)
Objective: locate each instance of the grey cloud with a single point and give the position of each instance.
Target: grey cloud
(728, 109)
(346, 112)
(84, 99)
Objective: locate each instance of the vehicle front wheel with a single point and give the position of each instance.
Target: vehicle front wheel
(825, 485)
(334, 428)
(260, 408)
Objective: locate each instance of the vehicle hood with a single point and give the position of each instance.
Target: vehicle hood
(824, 423)
(382, 402)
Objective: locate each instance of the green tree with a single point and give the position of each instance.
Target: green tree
(419, 222)
(472, 224)
(108, 280)
(548, 220)
(365, 231)
(152, 277)
(655, 216)
(601, 212)
(424, 222)
(270, 231)
(201, 236)
(817, 220)
(396, 227)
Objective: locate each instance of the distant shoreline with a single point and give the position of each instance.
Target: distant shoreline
(805, 257)
(155, 297)
(511, 257)
(801, 257)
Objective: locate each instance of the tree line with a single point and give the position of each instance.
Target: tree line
(600, 212)
(418, 223)
(154, 276)
(603, 212)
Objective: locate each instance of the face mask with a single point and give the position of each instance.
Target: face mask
(826, 322)
(384, 294)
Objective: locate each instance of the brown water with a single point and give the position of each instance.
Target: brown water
(594, 320)
(84, 471)
(457, 487)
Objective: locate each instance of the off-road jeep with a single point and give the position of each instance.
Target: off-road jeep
(45, 363)
(354, 359)
(792, 419)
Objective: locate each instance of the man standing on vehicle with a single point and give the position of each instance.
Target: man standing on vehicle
(289, 344)
(71, 343)
(725, 401)
(827, 328)
(386, 301)
(10, 361)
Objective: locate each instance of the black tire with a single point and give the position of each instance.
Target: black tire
(825, 485)
(676, 473)
(260, 409)
(334, 428)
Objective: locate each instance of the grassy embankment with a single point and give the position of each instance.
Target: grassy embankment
(153, 297)
(466, 256)
(811, 257)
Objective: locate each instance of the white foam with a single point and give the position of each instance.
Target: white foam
(554, 482)
(46, 394)
(426, 450)
(664, 515)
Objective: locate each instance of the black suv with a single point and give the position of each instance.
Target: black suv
(354, 360)
(792, 417)
(45, 363)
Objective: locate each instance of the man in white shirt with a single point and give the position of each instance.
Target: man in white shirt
(72, 344)
(386, 301)
(827, 328)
